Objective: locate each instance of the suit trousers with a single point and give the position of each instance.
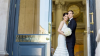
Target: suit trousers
(70, 47)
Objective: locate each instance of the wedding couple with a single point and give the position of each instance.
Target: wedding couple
(66, 44)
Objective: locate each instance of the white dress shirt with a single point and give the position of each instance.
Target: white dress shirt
(70, 19)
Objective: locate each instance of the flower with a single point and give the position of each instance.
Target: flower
(67, 31)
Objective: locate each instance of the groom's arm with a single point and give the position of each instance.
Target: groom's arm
(73, 25)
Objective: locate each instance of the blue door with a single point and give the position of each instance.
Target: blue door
(32, 28)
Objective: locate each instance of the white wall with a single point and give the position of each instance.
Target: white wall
(98, 14)
(4, 12)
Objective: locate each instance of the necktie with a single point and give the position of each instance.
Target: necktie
(68, 21)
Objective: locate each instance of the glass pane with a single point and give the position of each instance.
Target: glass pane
(34, 17)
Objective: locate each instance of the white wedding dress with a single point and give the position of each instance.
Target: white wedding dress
(61, 49)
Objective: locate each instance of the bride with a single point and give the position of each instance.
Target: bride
(61, 49)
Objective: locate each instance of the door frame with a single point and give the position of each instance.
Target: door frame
(16, 45)
(11, 26)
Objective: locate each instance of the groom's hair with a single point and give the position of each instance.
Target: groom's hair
(71, 11)
(65, 14)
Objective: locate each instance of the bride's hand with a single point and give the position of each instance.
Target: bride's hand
(64, 34)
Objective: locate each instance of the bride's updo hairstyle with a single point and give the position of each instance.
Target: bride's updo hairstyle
(65, 14)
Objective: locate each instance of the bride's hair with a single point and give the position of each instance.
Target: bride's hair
(65, 14)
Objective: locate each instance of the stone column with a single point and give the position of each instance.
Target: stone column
(85, 35)
(37, 17)
(4, 13)
(84, 2)
(59, 17)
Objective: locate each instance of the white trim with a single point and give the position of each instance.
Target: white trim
(88, 29)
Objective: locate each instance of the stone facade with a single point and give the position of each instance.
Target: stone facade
(4, 15)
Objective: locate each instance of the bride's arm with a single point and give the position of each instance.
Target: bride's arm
(98, 36)
(60, 27)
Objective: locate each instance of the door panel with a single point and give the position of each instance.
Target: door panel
(32, 49)
(92, 26)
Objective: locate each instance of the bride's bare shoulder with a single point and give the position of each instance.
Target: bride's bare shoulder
(62, 22)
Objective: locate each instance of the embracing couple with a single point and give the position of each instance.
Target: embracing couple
(66, 43)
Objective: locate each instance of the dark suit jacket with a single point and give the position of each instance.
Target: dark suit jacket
(72, 25)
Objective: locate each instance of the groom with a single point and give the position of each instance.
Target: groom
(70, 40)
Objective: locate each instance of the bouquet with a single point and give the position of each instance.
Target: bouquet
(67, 31)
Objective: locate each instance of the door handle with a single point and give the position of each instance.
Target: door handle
(90, 31)
(92, 18)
